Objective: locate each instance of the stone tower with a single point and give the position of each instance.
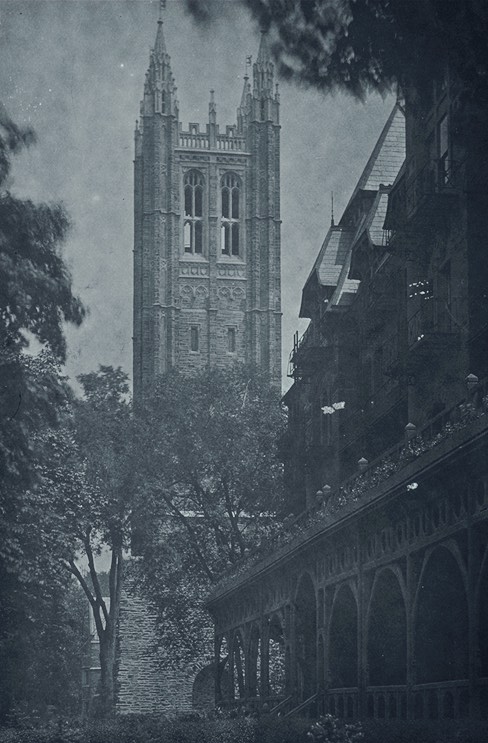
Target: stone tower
(207, 229)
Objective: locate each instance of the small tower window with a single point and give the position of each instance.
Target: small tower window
(231, 340)
(193, 224)
(230, 236)
(194, 339)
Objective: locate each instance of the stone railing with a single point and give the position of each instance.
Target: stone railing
(441, 435)
(201, 141)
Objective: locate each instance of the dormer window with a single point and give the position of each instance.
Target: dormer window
(193, 224)
(230, 223)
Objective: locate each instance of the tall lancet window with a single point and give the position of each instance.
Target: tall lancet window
(193, 224)
(230, 227)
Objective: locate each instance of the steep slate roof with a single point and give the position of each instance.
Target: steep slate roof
(331, 267)
(387, 157)
(332, 256)
(376, 217)
(329, 263)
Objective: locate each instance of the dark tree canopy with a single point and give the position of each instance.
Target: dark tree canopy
(35, 284)
(210, 488)
(370, 45)
(36, 299)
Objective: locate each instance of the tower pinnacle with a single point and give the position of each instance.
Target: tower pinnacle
(162, 5)
(159, 87)
(264, 53)
(263, 69)
(160, 45)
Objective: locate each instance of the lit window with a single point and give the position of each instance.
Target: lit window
(231, 340)
(194, 339)
(230, 237)
(193, 224)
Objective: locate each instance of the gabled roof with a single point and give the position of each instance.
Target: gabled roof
(387, 157)
(331, 257)
(331, 268)
(329, 262)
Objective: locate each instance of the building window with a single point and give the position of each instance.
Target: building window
(193, 225)
(230, 226)
(194, 339)
(231, 340)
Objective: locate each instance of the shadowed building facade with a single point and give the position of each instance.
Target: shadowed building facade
(372, 601)
(206, 229)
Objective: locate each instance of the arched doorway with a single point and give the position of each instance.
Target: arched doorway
(387, 632)
(441, 621)
(343, 640)
(306, 638)
(276, 658)
(203, 690)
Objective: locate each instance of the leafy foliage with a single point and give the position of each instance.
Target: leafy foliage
(210, 490)
(363, 45)
(35, 285)
(35, 300)
(41, 647)
(329, 729)
(90, 481)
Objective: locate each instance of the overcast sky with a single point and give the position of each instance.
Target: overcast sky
(74, 70)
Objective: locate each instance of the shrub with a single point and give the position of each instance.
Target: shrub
(329, 729)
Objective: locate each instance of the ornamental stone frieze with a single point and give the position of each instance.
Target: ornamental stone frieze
(193, 269)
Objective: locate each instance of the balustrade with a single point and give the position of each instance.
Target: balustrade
(201, 141)
(447, 700)
(343, 702)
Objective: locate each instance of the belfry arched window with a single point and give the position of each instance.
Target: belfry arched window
(230, 226)
(193, 224)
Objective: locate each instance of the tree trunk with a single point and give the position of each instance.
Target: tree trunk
(107, 672)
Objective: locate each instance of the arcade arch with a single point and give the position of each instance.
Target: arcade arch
(306, 637)
(441, 619)
(343, 640)
(387, 632)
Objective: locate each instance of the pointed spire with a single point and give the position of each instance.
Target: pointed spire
(264, 53)
(160, 45)
(212, 108)
(263, 69)
(245, 91)
(159, 87)
(332, 209)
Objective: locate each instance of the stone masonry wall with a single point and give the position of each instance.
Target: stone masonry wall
(144, 685)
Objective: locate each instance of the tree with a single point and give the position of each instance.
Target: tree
(41, 646)
(88, 485)
(35, 300)
(210, 490)
(371, 45)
